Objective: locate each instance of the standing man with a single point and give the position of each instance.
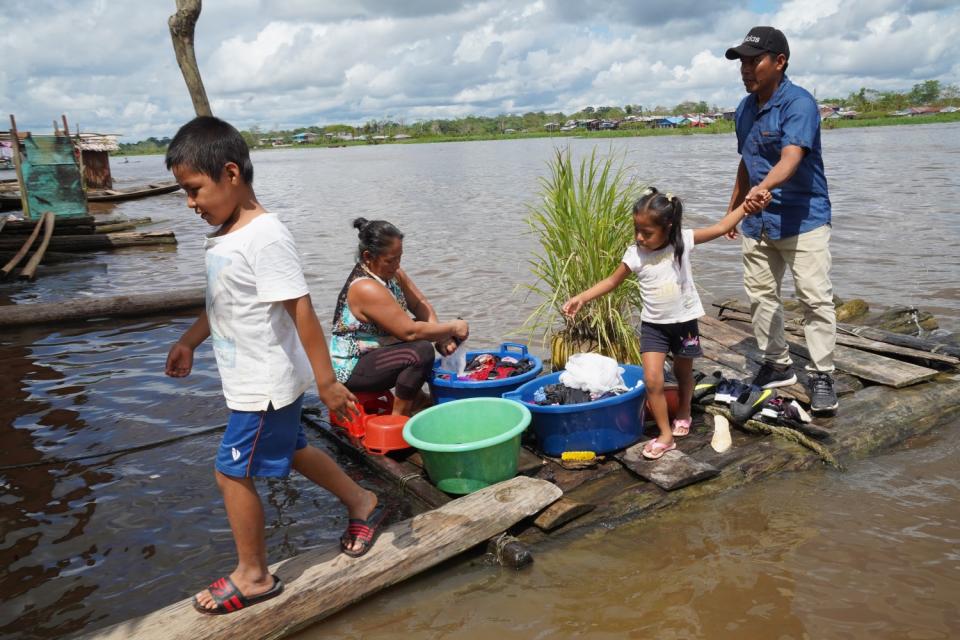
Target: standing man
(778, 138)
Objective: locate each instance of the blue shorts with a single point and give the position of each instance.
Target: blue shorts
(261, 443)
(682, 339)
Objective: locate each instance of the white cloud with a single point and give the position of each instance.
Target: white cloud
(110, 65)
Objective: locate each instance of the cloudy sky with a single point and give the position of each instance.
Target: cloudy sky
(109, 64)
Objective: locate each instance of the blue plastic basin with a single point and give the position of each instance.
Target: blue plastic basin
(445, 387)
(601, 426)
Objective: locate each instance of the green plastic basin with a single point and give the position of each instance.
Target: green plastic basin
(469, 444)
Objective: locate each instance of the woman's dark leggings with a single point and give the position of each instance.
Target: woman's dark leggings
(406, 366)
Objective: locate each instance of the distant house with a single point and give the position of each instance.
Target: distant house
(306, 137)
(950, 109)
(402, 136)
(551, 126)
(668, 122)
(609, 124)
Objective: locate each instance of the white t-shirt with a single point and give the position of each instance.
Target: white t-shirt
(250, 272)
(668, 292)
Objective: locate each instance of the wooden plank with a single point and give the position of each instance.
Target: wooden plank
(320, 582)
(871, 366)
(116, 306)
(866, 344)
(673, 471)
(29, 271)
(561, 512)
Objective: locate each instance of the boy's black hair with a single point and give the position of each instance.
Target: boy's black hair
(667, 210)
(206, 144)
(375, 236)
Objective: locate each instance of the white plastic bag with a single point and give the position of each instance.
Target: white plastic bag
(456, 361)
(593, 372)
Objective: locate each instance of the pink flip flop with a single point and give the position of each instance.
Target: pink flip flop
(655, 450)
(681, 427)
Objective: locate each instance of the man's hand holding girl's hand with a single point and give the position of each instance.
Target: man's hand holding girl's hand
(756, 200)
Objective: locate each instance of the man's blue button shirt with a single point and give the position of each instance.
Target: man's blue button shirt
(790, 117)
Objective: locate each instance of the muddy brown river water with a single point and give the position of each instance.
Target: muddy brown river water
(92, 532)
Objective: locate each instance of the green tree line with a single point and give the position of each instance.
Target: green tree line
(870, 103)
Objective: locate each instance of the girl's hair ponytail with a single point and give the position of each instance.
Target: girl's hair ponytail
(667, 212)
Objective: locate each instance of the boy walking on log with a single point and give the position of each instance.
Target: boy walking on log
(269, 348)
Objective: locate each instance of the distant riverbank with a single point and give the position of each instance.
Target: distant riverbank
(721, 126)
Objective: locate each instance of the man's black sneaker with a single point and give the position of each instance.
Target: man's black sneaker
(772, 375)
(823, 398)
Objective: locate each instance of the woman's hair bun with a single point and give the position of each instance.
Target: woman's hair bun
(360, 223)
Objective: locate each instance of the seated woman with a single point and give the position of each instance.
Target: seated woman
(375, 345)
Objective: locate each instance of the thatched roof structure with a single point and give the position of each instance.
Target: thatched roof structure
(98, 142)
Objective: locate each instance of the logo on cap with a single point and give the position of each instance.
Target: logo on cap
(751, 39)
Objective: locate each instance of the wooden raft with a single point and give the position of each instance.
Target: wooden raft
(321, 582)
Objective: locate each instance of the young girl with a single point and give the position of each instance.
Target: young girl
(671, 306)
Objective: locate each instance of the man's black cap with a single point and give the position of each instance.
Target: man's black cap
(760, 40)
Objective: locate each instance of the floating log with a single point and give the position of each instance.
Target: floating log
(30, 270)
(51, 257)
(98, 242)
(323, 581)
(63, 224)
(86, 309)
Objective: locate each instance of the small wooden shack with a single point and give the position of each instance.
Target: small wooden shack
(95, 151)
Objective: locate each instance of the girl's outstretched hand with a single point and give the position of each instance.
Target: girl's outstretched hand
(571, 306)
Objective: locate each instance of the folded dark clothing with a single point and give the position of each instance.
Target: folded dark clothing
(562, 394)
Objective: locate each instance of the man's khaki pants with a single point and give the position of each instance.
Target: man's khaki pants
(808, 256)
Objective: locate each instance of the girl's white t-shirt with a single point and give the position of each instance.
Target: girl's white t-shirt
(667, 288)
(250, 272)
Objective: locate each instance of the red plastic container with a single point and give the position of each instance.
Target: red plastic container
(672, 395)
(372, 403)
(384, 434)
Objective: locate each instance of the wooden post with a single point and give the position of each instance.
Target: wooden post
(24, 201)
(182, 26)
(30, 270)
(15, 260)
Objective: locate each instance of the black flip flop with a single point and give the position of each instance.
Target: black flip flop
(229, 598)
(363, 531)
